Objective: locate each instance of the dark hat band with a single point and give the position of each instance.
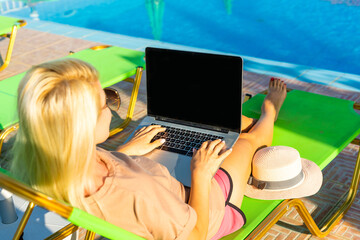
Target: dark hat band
(276, 185)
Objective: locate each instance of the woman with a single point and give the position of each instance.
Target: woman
(63, 115)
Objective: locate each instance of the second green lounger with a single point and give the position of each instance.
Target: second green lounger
(318, 126)
(113, 63)
(8, 28)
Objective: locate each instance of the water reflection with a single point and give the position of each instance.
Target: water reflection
(155, 9)
(347, 2)
(228, 6)
(32, 5)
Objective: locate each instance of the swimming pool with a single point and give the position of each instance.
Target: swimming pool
(319, 33)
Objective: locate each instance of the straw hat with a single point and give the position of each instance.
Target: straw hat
(278, 172)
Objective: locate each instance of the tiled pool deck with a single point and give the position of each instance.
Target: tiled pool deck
(43, 41)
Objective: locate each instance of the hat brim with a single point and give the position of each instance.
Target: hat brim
(310, 185)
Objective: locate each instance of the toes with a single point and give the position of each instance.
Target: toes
(277, 83)
(271, 82)
(281, 84)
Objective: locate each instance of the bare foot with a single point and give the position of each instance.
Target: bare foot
(275, 97)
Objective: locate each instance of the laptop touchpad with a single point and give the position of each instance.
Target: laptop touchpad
(178, 165)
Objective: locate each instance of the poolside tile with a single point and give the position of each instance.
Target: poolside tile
(351, 87)
(15, 67)
(20, 49)
(58, 29)
(123, 41)
(348, 81)
(41, 40)
(79, 33)
(42, 55)
(337, 92)
(273, 68)
(320, 76)
(71, 44)
(26, 33)
(46, 26)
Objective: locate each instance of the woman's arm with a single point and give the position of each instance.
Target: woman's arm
(199, 201)
(206, 161)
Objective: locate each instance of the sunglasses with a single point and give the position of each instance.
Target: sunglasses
(113, 100)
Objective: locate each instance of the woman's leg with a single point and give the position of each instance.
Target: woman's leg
(238, 163)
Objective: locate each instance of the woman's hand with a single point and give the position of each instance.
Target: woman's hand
(141, 143)
(207, 159)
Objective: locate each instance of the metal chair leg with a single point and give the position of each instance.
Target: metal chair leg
(10, 48)
(63, 233)
(136, 85)
(6, 132)
(24, 221)
(89, 235)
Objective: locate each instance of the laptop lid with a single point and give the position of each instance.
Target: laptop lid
(196, 89)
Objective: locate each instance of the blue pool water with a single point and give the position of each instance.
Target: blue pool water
(318, 33)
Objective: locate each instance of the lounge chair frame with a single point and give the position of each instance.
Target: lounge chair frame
(135, 90)
(11, 37)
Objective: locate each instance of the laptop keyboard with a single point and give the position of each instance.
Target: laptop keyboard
(182, 141)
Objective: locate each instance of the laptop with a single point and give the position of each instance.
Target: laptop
(196, 97)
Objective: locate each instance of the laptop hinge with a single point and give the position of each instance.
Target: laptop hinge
(191, 124)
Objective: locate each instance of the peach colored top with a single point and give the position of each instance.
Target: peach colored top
(141, 196)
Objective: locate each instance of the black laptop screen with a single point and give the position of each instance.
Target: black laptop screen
(195, 87)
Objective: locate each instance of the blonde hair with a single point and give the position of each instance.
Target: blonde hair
(58, 107)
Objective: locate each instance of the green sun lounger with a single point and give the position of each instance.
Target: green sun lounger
(306, 122)
(8, 28)
(319, 127)
(114, 64)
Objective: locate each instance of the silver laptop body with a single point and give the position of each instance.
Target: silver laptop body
(198, 93)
